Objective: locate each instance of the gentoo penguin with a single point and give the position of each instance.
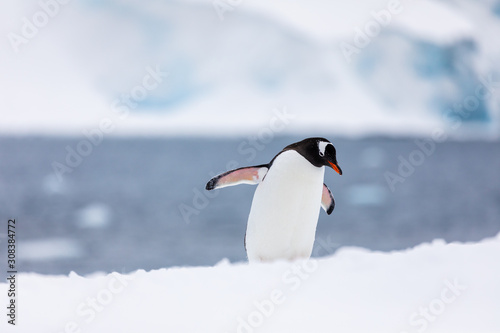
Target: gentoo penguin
(285, 207)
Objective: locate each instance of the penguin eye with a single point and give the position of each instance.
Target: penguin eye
(321, 154)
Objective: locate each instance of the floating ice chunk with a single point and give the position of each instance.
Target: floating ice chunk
(53, 185)
(96, 215)
(50, 249)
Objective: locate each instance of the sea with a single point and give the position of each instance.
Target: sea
(128, 203)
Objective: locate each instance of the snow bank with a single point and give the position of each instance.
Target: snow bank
(434, 287)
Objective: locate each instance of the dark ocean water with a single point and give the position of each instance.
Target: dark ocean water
(140, 203)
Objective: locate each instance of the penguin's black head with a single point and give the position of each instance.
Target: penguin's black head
(319, 151)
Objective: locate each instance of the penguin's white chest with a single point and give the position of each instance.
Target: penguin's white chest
(285, 209)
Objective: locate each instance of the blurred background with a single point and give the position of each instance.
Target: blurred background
(115, 114)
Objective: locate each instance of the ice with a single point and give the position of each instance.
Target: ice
(51, 185)
(49, 249)
(96, 215)
(224, 77)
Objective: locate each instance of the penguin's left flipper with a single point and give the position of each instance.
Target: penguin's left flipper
(247, 175)
(327, 201)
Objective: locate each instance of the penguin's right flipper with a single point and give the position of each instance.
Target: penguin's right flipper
(247, 175)
(327, 200)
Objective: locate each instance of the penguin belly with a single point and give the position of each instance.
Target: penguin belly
(285, 210)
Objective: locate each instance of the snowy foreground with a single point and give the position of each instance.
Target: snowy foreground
(434, 287)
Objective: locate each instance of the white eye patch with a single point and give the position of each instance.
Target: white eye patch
(322, 146)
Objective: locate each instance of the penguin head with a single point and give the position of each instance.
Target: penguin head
(319, 151)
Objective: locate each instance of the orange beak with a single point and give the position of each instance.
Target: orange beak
(335, 167)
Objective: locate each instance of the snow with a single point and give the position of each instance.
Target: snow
(433, 13)
(326, 21)
(225, 77)
(434, 287)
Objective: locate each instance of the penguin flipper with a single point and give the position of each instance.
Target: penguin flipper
(246, 175)
(327, 200)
